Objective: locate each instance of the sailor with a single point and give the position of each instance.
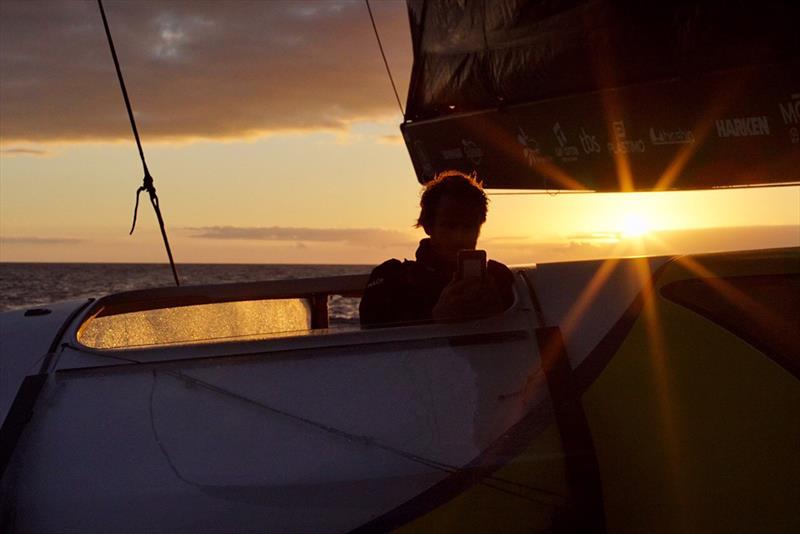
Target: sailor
(453, 209)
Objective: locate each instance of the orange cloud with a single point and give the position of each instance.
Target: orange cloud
(370, 237)
(40, 241)
(663, 242)
(195, 69)
(390, 139)
(22, 151)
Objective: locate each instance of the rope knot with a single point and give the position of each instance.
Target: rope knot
(147, 182)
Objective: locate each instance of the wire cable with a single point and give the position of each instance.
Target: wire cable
(385, 62)
(147, 182)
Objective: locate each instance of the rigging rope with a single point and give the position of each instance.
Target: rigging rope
(385, 62)
(147, 182)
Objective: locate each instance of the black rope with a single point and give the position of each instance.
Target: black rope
(147, 182)
(385, 62)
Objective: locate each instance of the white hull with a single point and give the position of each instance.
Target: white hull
(333, 430)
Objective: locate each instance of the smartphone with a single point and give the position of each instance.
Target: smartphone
(471, 264)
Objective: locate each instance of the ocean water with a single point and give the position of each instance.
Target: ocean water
(24, 285)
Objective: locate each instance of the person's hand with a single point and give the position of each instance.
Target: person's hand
(467, 299)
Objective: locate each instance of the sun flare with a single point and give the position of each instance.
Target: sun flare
(635, 225)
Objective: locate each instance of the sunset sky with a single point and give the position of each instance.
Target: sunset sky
(272, 133)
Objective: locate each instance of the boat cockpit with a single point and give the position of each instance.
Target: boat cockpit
(268, 316)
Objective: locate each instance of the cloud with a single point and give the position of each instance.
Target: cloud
(664, 242)
(370, 237)
(595, 237)
(40, 240)
(25, 152)
(390, 139)
(507, 238)
(731, 238)
(691, 240)
(199, 69)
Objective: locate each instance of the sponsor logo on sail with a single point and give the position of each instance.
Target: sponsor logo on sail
(790, 111)
(589, 142)
(662, 136)
(743, 127)
(621, 143)
(424, 160)
(564, 151)
(472, 151)
(530, 148)
(452, 153)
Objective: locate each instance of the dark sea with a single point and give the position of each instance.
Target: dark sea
(25, 285)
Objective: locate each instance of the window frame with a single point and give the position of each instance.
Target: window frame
(515, 321)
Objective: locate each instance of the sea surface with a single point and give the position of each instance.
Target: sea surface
(24, 285)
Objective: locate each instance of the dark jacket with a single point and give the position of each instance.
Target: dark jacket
(406, 292)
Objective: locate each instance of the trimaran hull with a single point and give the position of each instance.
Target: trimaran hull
(662, 403)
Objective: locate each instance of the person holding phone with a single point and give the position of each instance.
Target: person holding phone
(449, 280)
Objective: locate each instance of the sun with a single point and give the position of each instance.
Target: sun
(635, 225)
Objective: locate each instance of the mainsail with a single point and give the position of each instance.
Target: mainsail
(606, 95)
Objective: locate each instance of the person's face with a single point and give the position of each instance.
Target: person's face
(456, 226)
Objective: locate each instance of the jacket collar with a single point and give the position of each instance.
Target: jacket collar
(428, 259)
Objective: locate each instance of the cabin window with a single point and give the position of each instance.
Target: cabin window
(197, 324)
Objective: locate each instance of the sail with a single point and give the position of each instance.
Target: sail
(605, 95)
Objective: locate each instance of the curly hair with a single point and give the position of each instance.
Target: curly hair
(467, 188)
